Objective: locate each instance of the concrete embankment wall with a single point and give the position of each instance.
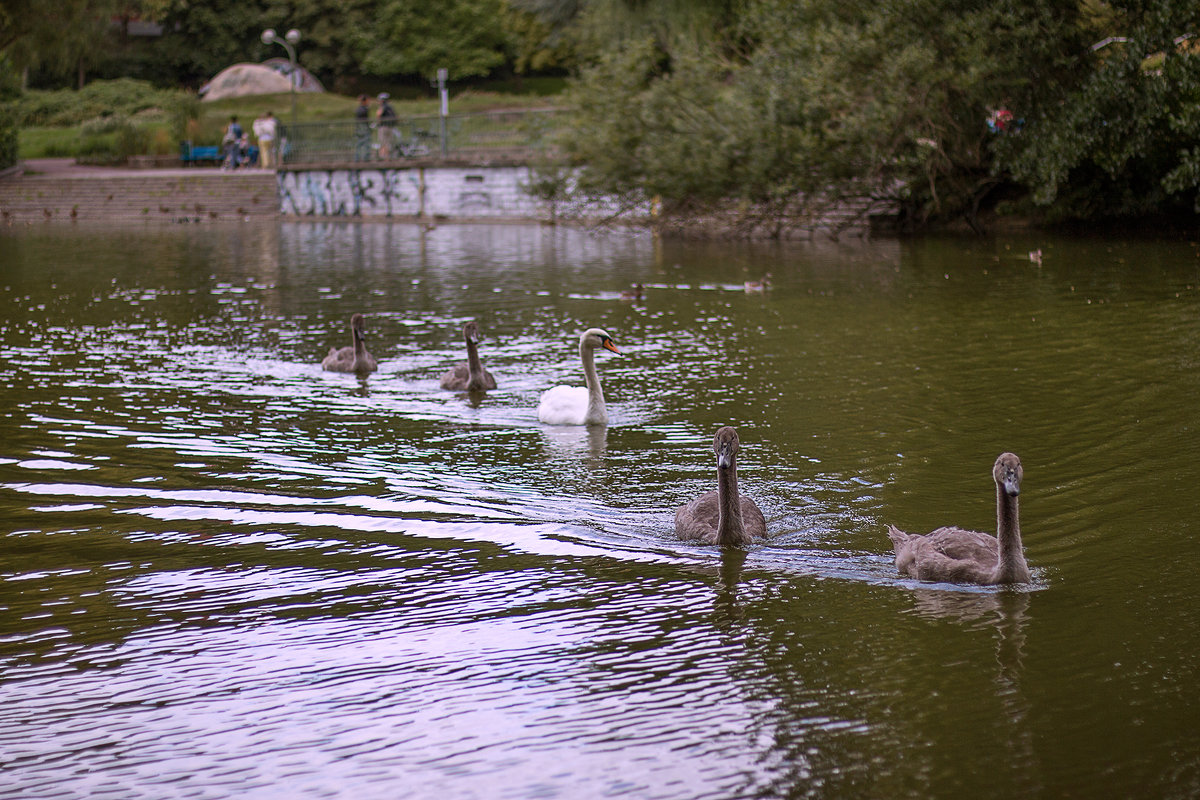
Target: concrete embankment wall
(503, 193)
(451, 192)
(418, 192)
(171, 196)
(443, 192)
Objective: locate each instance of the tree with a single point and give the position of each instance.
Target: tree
(1120, 140)
(831, 97)
(532, 45)
(201, 39)
(63, 35)
(463, 36)
(333, 33)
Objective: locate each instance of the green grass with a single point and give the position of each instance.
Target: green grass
(49, 142)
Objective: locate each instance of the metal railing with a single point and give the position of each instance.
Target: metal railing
(516, 133)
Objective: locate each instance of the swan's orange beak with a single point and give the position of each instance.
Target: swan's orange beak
(608, 345)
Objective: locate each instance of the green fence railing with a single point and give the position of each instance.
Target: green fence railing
(524, 132)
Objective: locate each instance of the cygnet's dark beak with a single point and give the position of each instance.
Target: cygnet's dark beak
(1012, 486)
(724, 458)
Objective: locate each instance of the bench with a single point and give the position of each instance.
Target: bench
(191, 154)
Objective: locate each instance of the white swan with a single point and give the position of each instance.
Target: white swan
(575, 405)
(469, 375)
(954, 555)
(722, 517)
(352, 358)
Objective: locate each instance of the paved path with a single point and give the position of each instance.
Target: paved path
(66, 167)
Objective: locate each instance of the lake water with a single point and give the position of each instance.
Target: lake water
(225, 573)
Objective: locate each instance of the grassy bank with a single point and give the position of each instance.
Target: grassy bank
(126, 118)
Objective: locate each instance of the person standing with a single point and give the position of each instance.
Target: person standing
(231, 141)
(266, 132)
(362, 129)
(386, 122)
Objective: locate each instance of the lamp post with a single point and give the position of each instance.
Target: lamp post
(288, 42)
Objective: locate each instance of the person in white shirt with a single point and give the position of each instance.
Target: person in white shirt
(265, 131)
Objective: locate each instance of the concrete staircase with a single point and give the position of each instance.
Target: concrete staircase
(177, 195)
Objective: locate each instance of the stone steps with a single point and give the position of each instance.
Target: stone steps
(171, 197)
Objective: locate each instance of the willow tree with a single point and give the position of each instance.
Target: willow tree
(63, 35)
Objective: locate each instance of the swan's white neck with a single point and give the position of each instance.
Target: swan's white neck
(474, 366)
(597, 414)
(1011, 566)
(730, 529)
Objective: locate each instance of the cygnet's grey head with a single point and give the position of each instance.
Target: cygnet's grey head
(1007, 474)
(726, 446)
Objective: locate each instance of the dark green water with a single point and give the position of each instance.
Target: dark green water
(225, 573)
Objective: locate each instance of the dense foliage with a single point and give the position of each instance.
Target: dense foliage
(1123, 138)
(10, 113)
(343, 41)
(849, 98)
(125, 97)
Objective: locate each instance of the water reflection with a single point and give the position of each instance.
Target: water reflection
(247, 573)
(584, 444)
(1004, 613)
(475, 397)
(727, 607)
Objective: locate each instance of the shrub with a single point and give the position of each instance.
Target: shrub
(110, 140)
(8, 134)
(182, 109)
(123, 96)
(10, 114)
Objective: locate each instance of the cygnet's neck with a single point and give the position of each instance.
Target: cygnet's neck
(360, 349)
(596, 412)
(474, 366)
(1011, 566)
(730, 529)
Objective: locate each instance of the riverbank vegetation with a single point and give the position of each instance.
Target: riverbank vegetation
(1073, 110)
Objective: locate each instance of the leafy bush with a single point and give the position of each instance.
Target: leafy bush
(182, 109)
(8, 134)
(10, 114)
(111, 140)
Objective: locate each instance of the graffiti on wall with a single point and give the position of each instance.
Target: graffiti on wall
(472, 192)
(350, 192)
